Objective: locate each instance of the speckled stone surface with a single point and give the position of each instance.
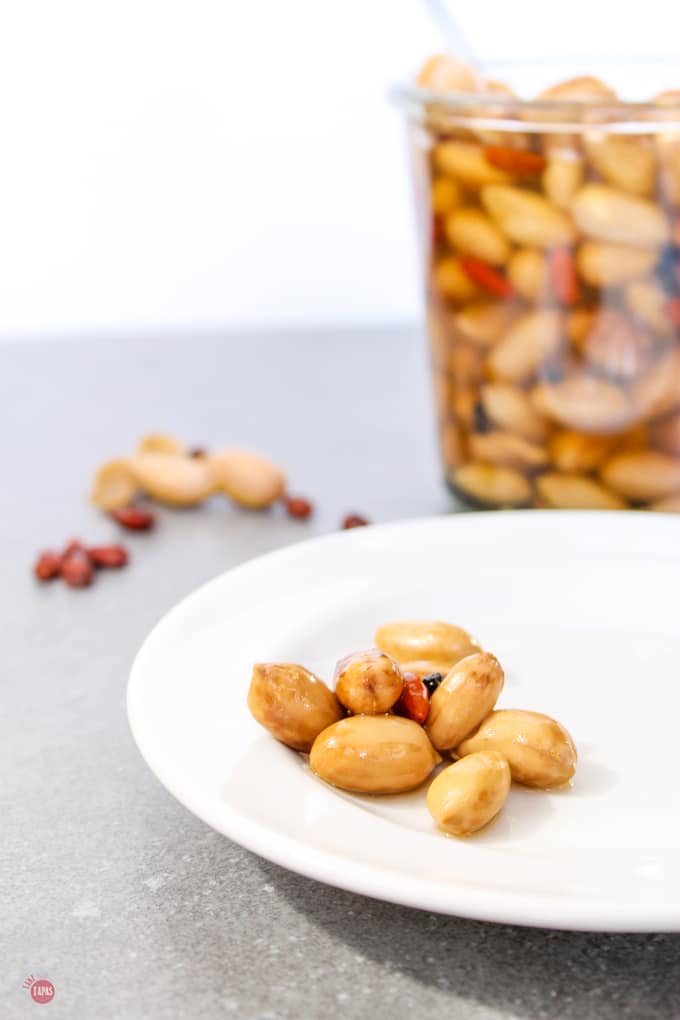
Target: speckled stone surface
(130, 905)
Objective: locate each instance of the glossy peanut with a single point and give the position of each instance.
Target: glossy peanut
(431, 640)
(603, 264)
(160, 442)
(247, 478)
(610, 214)
(507, 450)
(539, 751)
(471, 232)
(492, 485)
(368, 682)
(576, 492)
(562, 178)
(528, 273)
(584, 402)
(465, 697)
(625, 163)
(526, 344)
(291, 703)
(173, 479)
(572, 451)
(373, 754)
(484, 323)
(509, 408)
(114, 485)
(466, 162)
(526, 217)
(642, 476)
(467, 795)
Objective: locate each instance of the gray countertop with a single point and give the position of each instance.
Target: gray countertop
(130, 905)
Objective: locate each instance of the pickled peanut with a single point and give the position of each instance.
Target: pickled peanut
(575, 492)
(468, 794)
(423, 667)
(172, 479)
(537, 748)
(562, 178)
(624, 163)
(445, 73)
(508, 450)
(484, 323)
(466, 162)
(603, 264)
(527, 218)
(617, 347)
(509, 408)
(643, 476)
(575, 452)
(528, 273)
(453, 453)
(465, 363)
(248, 479)
(114, 485)
(584, 88)
(670, 505)
(471, 232)
(609, 214)
(373, 754)
(525, 345)
(665, 435)
(658, 392)
(647, 302)
(453, 283)
(368, 683)
(491, 485)
(432, 640)
(160, 443)
(292, 703)
(464, 697)
(584, 403)
(446, 195)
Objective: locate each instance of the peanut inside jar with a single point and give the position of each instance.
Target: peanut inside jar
(553, 299)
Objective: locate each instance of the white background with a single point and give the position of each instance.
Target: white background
(207, 164)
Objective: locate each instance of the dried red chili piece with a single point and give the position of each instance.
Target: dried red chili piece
(354, 521)
(515, 161)
(108, 555)
(487, 277)
(297, 506)
(134, 518)
(47, 566)
(414, 700)
(76, 569)
(563, 276)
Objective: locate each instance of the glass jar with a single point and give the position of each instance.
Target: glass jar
(550, 233)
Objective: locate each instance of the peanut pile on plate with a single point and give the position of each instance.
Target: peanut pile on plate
(552, 239)
(426, 690)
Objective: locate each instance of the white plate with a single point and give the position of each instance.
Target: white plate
(582, 609)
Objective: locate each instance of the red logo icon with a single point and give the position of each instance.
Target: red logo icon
(41, 989)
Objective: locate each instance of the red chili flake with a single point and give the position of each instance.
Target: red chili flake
(673, 310)
(47, 566)
(563, 277)
(414, 701)
(297, 506)
(487, 277)
(77, 570)
(354, 521)
(515, 161)
(134, 518)
(108, 555)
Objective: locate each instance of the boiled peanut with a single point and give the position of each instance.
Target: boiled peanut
(292, 703)
(446, 195)
(658, 392)
(538, 749)
(445, 73)
(643, 476)
(247, 478)
(528, 274)
(472, 232)
(670, 505)
(509, 408)
(466, 162)
(574, 452)
(576, 492)
(508, 450)
(527, 218)
(465, 696)
(491, 485)
(584, 88)
(665, 435)
(453, 283)
(562, 178)
(647, 302)
(585, 403)
(373, 754)
(483, 323)
(468, 794)
(525, 345)
(172, 479)
(612, 215)
(624, 163)
(114, 485)
(603, 264)
(433, 640)
(368, 683)
(160, 443)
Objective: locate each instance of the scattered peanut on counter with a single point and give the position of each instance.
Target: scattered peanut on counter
(426, 690)
(553, 289)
